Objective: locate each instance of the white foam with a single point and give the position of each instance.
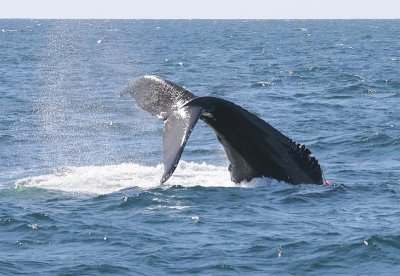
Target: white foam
(112, 178)
(265, 83)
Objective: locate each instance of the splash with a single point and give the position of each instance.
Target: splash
(112, 178)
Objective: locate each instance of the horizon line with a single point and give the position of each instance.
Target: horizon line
(171, 18)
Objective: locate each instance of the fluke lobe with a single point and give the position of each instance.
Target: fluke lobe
(253, 147)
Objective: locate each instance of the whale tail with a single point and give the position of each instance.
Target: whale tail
(253, 147)
(166, 100)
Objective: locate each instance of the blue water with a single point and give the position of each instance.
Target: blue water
(79, 166)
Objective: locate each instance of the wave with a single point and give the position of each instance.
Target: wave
(263, 83)
(112, 178)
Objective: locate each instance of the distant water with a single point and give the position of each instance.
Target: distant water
(80, 167)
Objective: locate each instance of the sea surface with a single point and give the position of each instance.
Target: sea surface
(80, 166)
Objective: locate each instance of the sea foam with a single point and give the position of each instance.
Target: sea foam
(112, 178)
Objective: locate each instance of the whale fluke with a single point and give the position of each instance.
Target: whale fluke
(165, 100)
(157, 96)
(253, 147)
(177, 128)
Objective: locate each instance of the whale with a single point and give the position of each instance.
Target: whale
(253, 147)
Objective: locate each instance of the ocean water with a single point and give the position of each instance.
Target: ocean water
(80, 166)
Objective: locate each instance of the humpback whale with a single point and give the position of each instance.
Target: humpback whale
(253, 147)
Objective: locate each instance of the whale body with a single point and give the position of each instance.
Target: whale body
(253, 147)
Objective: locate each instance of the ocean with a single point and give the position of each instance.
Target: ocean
(80, 166)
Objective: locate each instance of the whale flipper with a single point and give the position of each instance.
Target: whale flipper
(253, 147)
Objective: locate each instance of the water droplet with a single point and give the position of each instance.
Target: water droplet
(279, 252)
(33, 226)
